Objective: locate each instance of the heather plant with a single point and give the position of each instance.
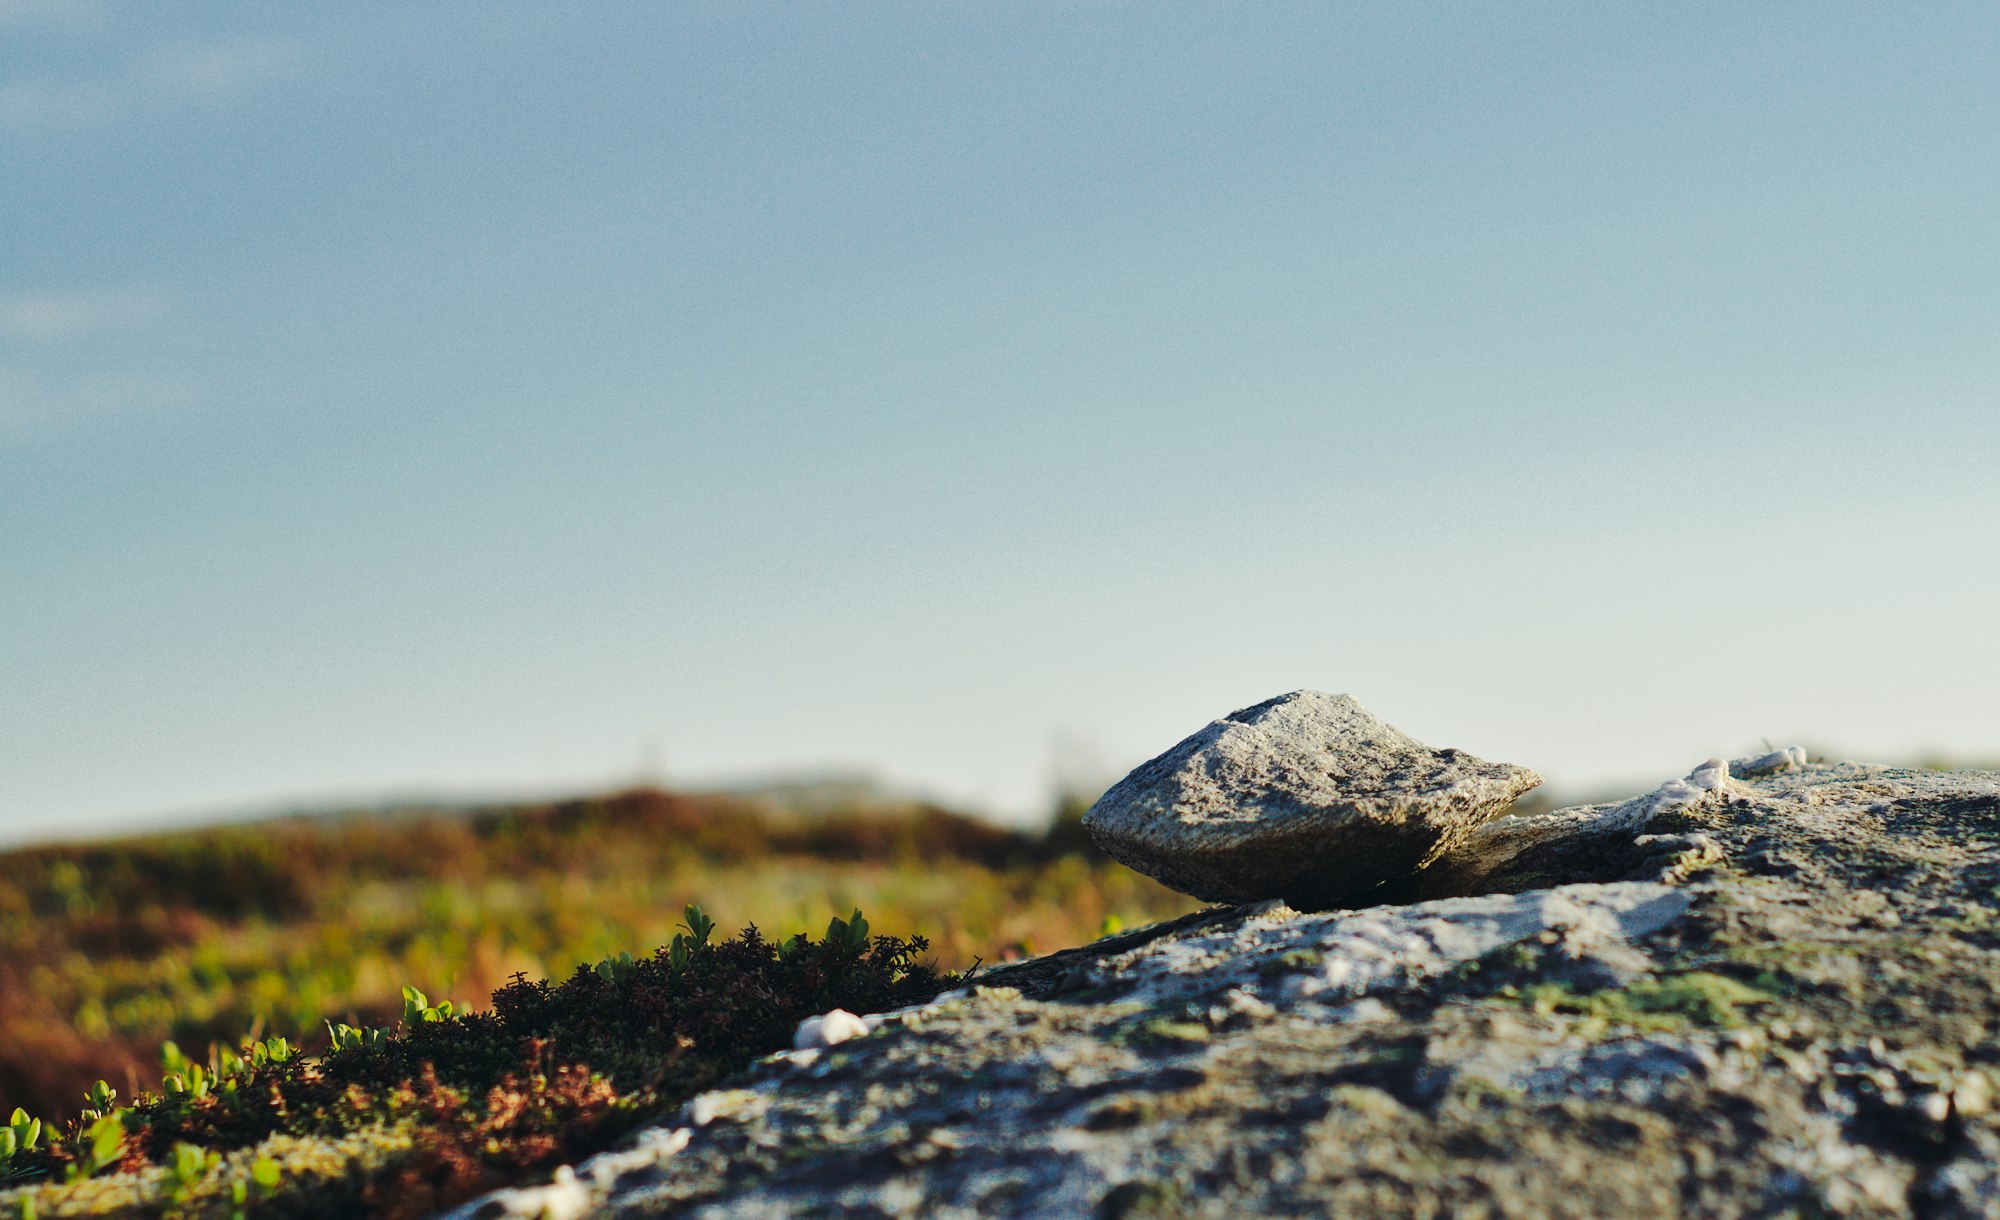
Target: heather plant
(110, 950)
(553, 1071)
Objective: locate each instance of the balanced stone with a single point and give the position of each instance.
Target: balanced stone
(1305, 797)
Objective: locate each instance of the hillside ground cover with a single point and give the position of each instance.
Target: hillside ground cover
(111, 950)
(400, 1121)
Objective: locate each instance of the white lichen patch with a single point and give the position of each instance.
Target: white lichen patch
(577, 1192)
(1341, 956)
(1791, 758)
(828, 1029)
(1710, 779)
(565, 1198)
(732, 1104)
(1635, 1069)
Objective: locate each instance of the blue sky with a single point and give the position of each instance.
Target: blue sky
(509, 398)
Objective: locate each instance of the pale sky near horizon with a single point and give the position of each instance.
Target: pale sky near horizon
(491, 398)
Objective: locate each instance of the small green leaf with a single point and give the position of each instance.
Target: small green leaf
(7, 1144)
(22, 1130)
(187, 1164)
(699, 925)
(107, 1136)
(264, 1172)
(414, 1004)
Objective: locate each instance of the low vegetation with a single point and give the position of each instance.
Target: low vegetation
(303, 956)
(551, 1073)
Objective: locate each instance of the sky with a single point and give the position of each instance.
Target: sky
(486, 399)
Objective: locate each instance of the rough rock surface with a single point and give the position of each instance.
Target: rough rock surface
(1305, 797)
(1517, 852)
(1790, 1007)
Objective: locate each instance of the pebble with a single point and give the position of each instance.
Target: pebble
(828, 1029)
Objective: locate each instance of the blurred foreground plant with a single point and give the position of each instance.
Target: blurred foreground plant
(554, 1072)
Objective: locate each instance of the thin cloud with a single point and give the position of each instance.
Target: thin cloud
(60, 317)
(73, 13)
(221, 70)
(61, 105)
(59, 353)
(38, 404)
(186, 73)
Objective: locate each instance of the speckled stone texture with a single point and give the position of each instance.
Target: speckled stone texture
(1305, 797)
(1799, 1015)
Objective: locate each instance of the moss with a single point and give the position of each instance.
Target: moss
(1478, 1093)
(1500, 972)
(1698, 998)
(1293, 960)
(1799, 969)
(1684, 818)
(1163, 1031)
(1144, 1031)
(1140, 1198)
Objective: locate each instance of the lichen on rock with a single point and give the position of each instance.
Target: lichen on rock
(1794, 1013)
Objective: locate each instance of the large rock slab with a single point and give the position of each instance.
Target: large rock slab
(1305, 797)
(1805, 1027)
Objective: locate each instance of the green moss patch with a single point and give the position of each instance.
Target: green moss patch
(1698, 998)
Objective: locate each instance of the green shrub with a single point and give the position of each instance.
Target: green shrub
(110, 949)
(553, 1072)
